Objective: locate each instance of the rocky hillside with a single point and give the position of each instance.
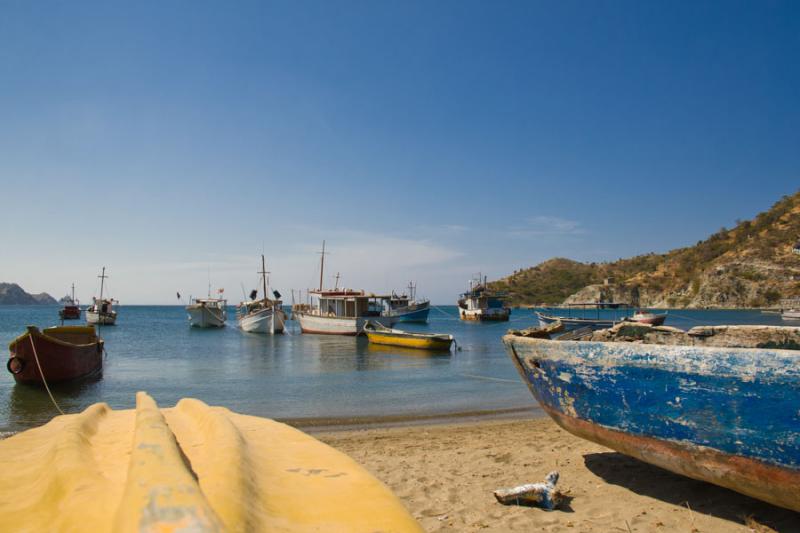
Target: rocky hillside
(13, 294)
(750, 265)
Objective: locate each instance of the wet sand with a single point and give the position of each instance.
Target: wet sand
(445, 475)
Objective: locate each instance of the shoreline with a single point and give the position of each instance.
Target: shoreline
(316, 425)
(445, 475)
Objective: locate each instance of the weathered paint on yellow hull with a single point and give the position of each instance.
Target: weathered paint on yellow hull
(409, 342)
(191, 467)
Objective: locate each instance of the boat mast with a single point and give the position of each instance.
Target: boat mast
(102, 277)
(264, 277)
(73, 294)
(321, 265)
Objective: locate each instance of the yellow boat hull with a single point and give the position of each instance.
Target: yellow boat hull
(187, 468)
(409, 342)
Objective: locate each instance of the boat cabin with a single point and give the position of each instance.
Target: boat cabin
(482, 300)
(102, 306)
(217, 303)
(480, 297)
(399, 301)
(349, 303)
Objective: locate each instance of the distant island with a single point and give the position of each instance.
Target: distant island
(755, 264)
(13, 294)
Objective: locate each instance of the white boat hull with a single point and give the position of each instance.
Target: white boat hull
(791, 314)
(331, 325)
(104, 319)
(206, 317)
(494, 313)
(263, 321)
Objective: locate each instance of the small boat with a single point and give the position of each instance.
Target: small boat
(101, 311)
(716, 403)
(191, 467)
(481, 304)
(71, 309)
(646, 317)
(64, 353)
(790, 314)
(378, 334)
(265, 315)
(341, 311)
(577, 315)
(207, 312)
(406, 308)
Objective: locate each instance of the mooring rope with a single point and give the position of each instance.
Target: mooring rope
(36, 357)
(448, 315)
(489, 378)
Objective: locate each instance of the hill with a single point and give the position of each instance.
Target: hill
(13, 294)
(751, 265)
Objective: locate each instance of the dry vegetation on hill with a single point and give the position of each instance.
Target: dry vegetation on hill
(750, 265)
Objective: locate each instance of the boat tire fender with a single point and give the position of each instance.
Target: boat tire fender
(20, 366)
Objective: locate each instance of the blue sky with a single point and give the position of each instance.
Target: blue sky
(422, 140)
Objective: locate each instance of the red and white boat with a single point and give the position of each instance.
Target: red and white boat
(71, 309)
(61, 353)
(646, 317)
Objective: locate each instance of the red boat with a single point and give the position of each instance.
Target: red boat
(63, 352)
(70, 311)
(646, 317)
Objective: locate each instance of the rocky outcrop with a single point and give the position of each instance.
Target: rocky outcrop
(13, 294)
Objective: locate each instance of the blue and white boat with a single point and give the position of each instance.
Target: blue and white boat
(596, 315)
(406, 308)
(719, 404)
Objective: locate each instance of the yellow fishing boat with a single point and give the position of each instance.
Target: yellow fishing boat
(187, 468)
(379, 334)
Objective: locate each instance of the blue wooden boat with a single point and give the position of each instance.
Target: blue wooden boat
(578, 315)
(406, 308)
(719, 404)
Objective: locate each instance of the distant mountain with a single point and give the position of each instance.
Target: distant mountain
(755, 264)
(13, 294)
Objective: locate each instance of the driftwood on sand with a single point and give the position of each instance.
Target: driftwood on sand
(544, 495)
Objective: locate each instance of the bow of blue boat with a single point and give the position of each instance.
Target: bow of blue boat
(719, 404)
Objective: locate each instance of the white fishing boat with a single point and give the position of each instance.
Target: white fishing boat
(102, 309)
(207, 312)
(263, 315)
(341, 311)
(481, 304)
(791, 314)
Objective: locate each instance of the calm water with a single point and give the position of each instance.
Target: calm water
(289, 376)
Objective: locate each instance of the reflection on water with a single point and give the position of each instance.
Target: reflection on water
(291, 376)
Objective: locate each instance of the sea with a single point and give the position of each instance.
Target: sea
(294, 376)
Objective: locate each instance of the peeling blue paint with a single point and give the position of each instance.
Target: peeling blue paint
(739, 401)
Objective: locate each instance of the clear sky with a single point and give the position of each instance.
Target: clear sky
(422, 140)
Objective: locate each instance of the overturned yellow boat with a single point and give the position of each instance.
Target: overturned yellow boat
(380, 334)
(187, 468)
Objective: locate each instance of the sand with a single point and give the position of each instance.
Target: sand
(445, 475)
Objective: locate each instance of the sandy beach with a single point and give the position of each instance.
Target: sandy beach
(445, 475)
